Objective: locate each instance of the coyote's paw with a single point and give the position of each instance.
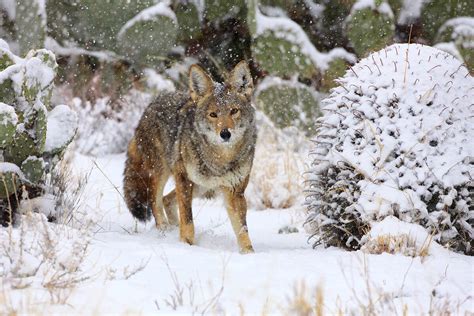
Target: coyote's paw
(246, 250)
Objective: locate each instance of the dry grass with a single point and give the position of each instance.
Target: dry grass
(397, 244)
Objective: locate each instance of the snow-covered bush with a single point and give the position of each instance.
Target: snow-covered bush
(33, 133)
(396, 139)
(107, 127)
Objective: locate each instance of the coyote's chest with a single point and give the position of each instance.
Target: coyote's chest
(209, 180)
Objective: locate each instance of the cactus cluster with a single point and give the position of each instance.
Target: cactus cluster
(33, 134)
(396, 139)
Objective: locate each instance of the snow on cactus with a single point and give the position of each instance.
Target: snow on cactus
(281, 47)
(396, 139)
(370, 26)
(434, 13)
(459, 32)
(31, 140)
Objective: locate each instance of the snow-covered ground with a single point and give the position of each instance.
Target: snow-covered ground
(136, 269)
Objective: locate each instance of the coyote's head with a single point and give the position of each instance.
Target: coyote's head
(223, 111)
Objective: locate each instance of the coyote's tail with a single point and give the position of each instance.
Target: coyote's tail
(136, 191)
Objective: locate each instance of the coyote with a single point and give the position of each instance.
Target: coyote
(205, 139)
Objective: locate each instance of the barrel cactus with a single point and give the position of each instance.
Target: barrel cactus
(32, 137)
(370, 26)
(288, 103)
(396, 139)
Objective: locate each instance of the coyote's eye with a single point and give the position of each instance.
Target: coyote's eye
(213, 114)
(234, 111)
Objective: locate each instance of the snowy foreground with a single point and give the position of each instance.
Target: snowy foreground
(135, 269)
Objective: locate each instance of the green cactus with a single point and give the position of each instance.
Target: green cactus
(33, 169)
(288, 103)
(188, 20)
(332, 21)
(436, 12)
(369, 29)
(8, 121)
(30, 25)
(279, 57)
(24, 128)
(23, 146)
(6, 86)
(93, 24)
(148, 37)
(216, 10)
(336, 69)
(10, 176)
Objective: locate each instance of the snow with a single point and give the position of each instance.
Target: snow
(10, 8)
(160, 9)
(8, 115)
(410, 11)
(61, 127)
(449, 48)
(383, 8)
(138, 269)
(157, 82)
(71, 50)
(462, 31)
(10, 167)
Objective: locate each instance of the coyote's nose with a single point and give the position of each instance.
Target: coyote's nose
(225, 134)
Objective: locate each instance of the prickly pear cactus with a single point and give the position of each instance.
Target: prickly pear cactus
(216, 10)
(31, 138)
(10, 179)
(189, 20)
(338, 62)
(30, 24)
(396, 139)
(281, 47)
(436, 12)
(150, 35)
(370, 26)
(288, 103)
(459, 32)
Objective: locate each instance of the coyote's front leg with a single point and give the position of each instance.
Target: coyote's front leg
(237, 210)
(184, 197)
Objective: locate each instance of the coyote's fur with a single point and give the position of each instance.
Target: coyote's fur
(205, 139)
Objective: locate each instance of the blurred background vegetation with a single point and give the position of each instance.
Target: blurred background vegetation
(105, 48)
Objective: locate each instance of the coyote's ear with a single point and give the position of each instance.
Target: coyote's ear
(200, 84)
(241, 80)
